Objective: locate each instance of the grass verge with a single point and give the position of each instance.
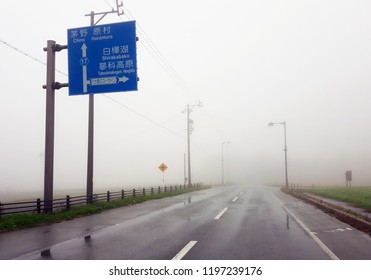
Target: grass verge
(20, 221)
(356, 196)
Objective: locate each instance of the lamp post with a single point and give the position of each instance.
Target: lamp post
(223, 161)
(285, 150)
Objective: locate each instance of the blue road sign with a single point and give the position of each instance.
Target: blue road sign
(102, 58)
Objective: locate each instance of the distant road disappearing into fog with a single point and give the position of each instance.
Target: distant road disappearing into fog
(222, 223)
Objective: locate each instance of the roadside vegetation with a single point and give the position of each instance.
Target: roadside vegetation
(357, 196)
(20, 221)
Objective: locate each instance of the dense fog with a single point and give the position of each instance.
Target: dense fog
(306, 63)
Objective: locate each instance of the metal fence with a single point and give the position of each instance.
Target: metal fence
(38, 205)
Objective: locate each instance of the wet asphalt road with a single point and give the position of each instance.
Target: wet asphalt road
(234, 222)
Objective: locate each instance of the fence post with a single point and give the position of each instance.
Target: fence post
(122, 194)
(90, 198)
(108, 196)
(159, 190)
(67, 202)
(38, 206)
(134, 192)
(144, 191)
(151, 192)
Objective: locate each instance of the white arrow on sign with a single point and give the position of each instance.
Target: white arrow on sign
(83, 48)
(96, 81)
(84, 62)
(108, 80)
(123, 79)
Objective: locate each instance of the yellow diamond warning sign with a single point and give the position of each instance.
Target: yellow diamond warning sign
(162, 167)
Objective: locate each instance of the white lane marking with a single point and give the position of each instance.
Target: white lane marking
(217, 217)
(241, 193)
(311, 234)
(185, 250)
(337, 230)
(235, 199)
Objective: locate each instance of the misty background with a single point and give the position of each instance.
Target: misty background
(249, 63)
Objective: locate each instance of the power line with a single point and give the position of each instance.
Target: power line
(28, 55)
(154, 51)
(106, 96)
(143, 116)
(158, 52)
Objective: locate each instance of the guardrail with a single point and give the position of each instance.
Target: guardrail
(37, 206)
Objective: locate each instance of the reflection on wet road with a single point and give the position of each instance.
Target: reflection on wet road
(235, 222)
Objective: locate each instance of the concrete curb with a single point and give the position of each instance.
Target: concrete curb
(354, 219)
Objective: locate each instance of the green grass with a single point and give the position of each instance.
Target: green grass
(19, 221)
(357, 196)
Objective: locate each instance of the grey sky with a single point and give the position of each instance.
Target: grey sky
(249, 62)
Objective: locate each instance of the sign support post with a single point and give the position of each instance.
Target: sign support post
(50, 87)
(348, 178)
(163, 168)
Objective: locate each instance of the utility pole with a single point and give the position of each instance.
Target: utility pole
(223, 161)
(90, 165)
(189, 109)
(185, 171)
(286, 175)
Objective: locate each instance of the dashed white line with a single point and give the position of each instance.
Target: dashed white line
(217, 217)
(241, 193)
(185, 250)
(235, 199)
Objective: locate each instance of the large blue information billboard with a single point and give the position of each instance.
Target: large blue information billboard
(102, 58)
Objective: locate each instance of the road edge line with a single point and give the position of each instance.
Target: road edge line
(311, 234)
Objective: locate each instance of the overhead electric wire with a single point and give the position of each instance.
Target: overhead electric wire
(157, 51)
(106, 96)
(160, 60)
(143, 116)
(29, 56)
(154, 51)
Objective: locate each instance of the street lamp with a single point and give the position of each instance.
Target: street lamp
(285, 149)
(223, 161)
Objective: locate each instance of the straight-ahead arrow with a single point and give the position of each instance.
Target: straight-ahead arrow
(84, 68)
(84, 47)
